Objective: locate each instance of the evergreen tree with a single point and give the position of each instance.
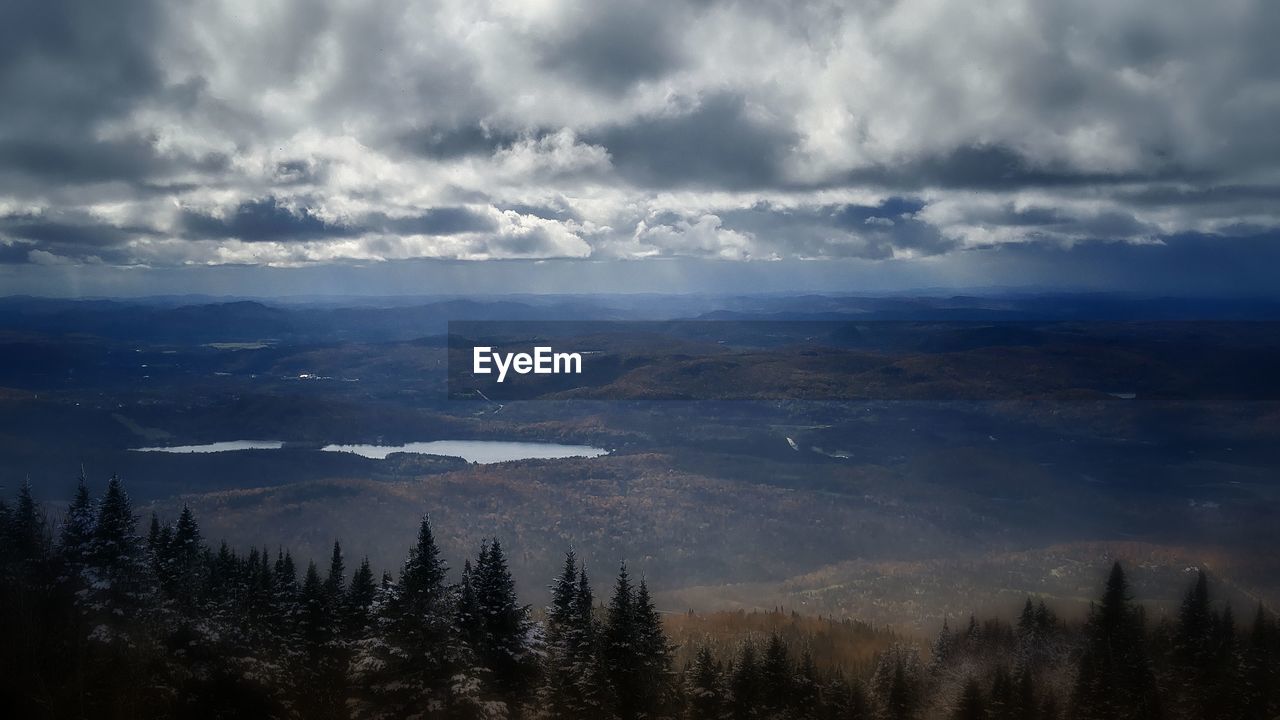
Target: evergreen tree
(775, 677)
(806, 696)
(322, 668)
(971, 704)
(27, 541)
(620, 655)
(1115, 680)
(118, 574)
(1002, 696)
(896, 682)
(185, 569)
(504, 627)
(1192, 649)
(653, 657)
(703, 688)
(744, 685)
(1226, 683)
(586, 667)
(1260, 676)
(315, 626)
(559, 693)
(359, 601)
(1025, 705)
(406, 665)
(335, 580)
(77, 531)
(944, 647)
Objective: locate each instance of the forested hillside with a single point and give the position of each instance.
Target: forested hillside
(100, 620)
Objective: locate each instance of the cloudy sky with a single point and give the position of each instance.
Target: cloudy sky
(350, 145)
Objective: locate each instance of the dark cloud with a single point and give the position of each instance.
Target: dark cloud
(138, 132)
(14, 253)
(613, 45)
(995, 167)
(66, 67)
(455, 142)
(264, 220)
(715, 142)
(840, 231)
(62, 234)
(441, 221)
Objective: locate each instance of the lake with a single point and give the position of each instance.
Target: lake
(477, 451)
(217, 447)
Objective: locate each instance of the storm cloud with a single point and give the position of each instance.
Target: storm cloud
(314, 132)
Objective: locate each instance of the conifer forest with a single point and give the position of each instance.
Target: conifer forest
(107, 617)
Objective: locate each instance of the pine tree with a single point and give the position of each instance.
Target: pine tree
(560, 612)
(559, 692)
(407, 664)
(744, 685)
(335, 580)
(619, 650)
(118, 574)
(321, 688)
(27, 540)
(186, 571)
(1025, 705)
(971, 705)
(77, 531)
(653, 656)
(1226, 683)
(1259, 670)
(586, 666)
(284, 598)
(944, 647)
(1192, 648)
(775, 677)
(1002, 696)
(358, 602)
(896, 682)
(1115, 680)
(503, 642)
(315, 626)
(807, 698)
(703, 687)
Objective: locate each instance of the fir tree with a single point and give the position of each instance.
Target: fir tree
(335, 580)
(406, 665)
(1002, 696)
(745, 684)
(559, 693)
(944, 647)
(703, 687)
(620, 654)
(118, 574)
(654, 655)
(77, 530)
(971, 705)
(806, 696)
(185, 571)
(589, 678)
(775, 677)
(1192, 648)
(896, 682)
(1260, 676)
(26, 539)
(504, 626)
(1115, 680)
(358, 603)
